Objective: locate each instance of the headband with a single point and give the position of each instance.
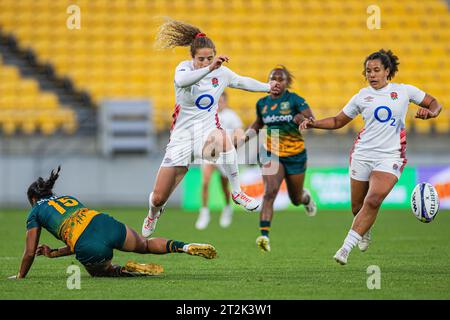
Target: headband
(200, 35)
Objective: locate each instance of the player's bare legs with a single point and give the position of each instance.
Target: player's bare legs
(204, 215)
(225, 189)
(298, 194)
(219, 147)
(105, 269)
(359, 191)
(272, 183)
(167, 180)
(136, 243)
(207, 171)
(380, 184)
(227, 212)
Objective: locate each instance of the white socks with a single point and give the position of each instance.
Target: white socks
(351, 240)
(204, 211)
(228, 161)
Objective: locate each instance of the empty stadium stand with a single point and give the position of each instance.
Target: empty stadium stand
(27, 109)
(324, 44)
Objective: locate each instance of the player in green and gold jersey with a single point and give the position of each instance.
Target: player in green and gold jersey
(91, 236)
(284, 157)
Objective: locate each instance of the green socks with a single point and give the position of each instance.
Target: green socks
(174, 246)
(264, 227)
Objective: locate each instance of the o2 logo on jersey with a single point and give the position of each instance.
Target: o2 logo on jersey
(205, 101)
(384, 114)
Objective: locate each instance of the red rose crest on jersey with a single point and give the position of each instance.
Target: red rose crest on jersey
(215, 82)
(394, 95)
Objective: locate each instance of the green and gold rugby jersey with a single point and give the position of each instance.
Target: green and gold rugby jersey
(64, 217)
(279, 115)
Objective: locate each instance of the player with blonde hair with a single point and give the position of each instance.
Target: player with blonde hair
(196, 132)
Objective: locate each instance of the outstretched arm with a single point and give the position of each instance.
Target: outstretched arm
(429, 108)
(186, 78)
(304, 114)
(249, 84)
(330, 123)
(32, 241)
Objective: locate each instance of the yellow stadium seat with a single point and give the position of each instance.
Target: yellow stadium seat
(323, 43)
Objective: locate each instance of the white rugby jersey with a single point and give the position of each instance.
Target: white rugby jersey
(197, 95)
(384, 112)
(229, 120)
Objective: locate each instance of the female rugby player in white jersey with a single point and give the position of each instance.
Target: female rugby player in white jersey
(379, 153)
(232, 124)
(196, 132)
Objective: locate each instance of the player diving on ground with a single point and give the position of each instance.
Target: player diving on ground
(91, 236)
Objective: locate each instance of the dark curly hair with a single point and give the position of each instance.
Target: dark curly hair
(388, 60)
(41, 189)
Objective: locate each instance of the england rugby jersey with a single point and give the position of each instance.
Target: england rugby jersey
(384, 113)
(197, 95)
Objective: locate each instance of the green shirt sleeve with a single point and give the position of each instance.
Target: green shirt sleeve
(258, 108)
(300, 103)
(32, 221)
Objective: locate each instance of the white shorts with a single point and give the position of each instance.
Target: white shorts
(361, 169)
(182, 154)
(185, 151)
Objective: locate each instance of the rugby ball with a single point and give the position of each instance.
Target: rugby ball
(425, 202)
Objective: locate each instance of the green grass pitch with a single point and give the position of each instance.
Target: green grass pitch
(413, 258)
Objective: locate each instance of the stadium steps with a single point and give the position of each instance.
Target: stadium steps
(25, 61)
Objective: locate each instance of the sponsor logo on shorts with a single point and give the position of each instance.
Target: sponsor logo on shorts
(354, 172)
(395, 166)
(167, 160)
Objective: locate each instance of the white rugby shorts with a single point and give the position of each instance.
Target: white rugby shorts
(361, 169)
(184, 150)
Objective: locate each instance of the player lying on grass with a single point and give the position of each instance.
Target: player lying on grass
(379, 153)
(91, 235)
(282, 110)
